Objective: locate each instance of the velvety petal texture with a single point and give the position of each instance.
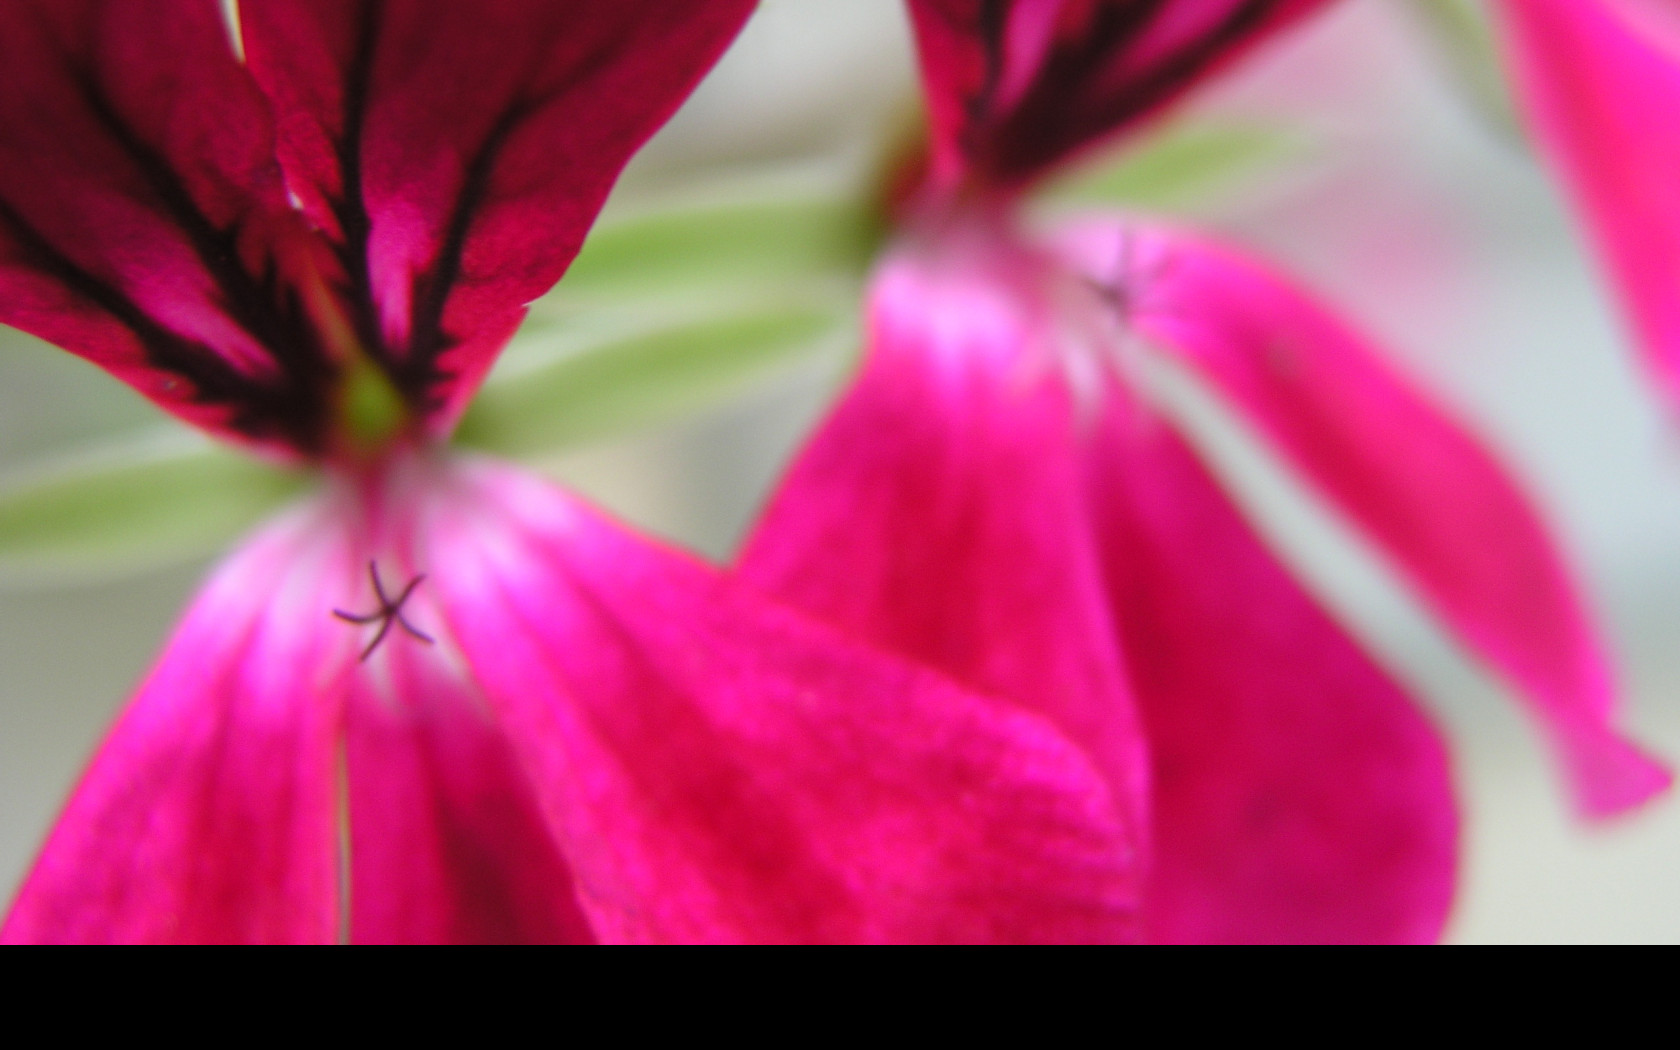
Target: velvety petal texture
(1017, 86)
(1299, 795)
(989, 499)
(995, 466)
(456, 154)
(1600, 84)
(211, 813)
(938, 511)
(447, 842)
(143, 219)
(449, 157)
(1412, 479)
(717, 768)
(442, 700)
(541, 728)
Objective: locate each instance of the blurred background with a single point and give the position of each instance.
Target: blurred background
(1387, 181)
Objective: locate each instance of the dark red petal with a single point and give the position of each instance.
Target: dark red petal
(447, 845)
(143, 221)
(210, 814)
(939, 512)
(718, 768)
(1015, 86)
(458, 152)
(1299, 796)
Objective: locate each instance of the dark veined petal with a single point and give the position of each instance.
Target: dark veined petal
(1601, 86)
(143, 220)
(1016, 86)
(210, 814)
(1425, 490)
(938, 512)
(1299, 796)
(457, 153)
(718, 768)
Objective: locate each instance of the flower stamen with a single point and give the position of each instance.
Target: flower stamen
(389, 612)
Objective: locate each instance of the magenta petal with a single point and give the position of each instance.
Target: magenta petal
(1299, 796)
(142, 215)
(717, 768)
(939, 511)
(1016, 86)
(457, 153)
(447, 844)
(1602, 92)
(1451, 517)
(210, 813)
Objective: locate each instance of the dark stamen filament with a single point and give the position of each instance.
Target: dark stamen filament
(389, 612)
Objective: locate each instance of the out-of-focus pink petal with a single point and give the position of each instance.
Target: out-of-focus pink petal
(1601, 88)
(447, 844)
(143, 218)
(210, 813)
(718, 768)
(457, 153)
(939, 512)
(1016, 86)
(1299, 796)
(1415, 481)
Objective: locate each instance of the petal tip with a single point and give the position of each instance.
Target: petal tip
(1611, 776)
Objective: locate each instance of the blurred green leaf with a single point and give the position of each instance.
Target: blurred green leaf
(613, 385)
(1463, 40)
(1184, 163)
(143, 503)
(698, 247)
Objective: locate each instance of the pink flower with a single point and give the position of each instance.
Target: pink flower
(1600, 82)
(440, 699)
(998, 496)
